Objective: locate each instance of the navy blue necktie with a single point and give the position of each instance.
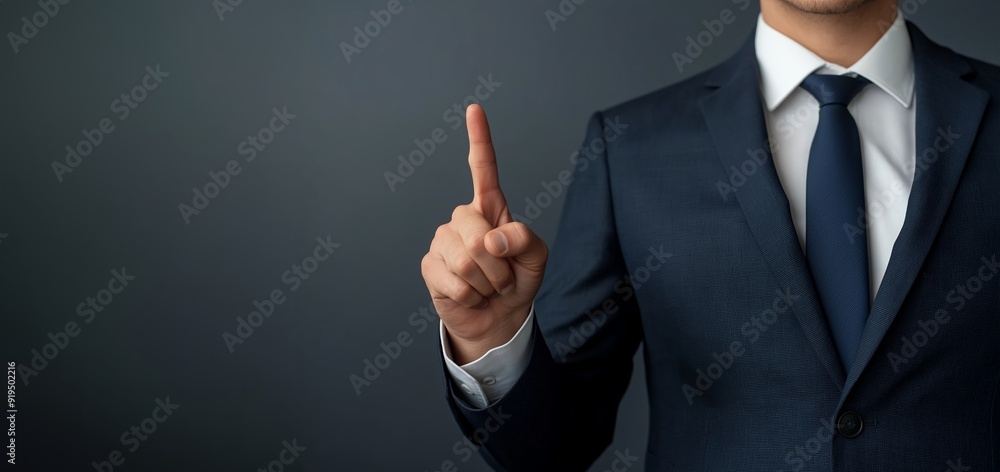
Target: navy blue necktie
(835, 192)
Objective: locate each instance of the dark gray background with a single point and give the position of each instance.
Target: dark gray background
(322, 176)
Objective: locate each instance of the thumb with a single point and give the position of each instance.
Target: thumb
(516, 241)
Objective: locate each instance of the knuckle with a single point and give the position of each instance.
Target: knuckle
(458, 213)
(425, 263)
(441, 231)
(466, 267)
(521, 230)
(476, 245)
(465, 294)
(503, 278)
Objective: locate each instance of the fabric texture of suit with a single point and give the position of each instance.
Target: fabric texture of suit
(741, 368)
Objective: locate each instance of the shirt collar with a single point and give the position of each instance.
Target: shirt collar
(784, 63)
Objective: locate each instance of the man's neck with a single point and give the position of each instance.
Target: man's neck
(839, 39)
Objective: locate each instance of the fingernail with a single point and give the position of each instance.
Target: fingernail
(506, 290)
(500, 241)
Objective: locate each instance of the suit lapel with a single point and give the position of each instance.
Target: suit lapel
(945, 103)
(734, 114)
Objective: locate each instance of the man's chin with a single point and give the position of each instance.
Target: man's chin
(825, 7)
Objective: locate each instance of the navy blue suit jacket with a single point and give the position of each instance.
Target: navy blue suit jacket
(741, 370)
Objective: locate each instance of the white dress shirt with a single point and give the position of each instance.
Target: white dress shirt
(886, 116)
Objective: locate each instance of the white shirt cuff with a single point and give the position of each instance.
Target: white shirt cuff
(484, 380)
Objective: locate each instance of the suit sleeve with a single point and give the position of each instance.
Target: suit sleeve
(490, 377)
(560, 414)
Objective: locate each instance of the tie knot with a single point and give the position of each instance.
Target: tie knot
(834, 89)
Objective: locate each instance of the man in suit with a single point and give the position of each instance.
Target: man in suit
(804, 240)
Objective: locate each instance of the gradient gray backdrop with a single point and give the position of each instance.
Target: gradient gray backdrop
(323, 175)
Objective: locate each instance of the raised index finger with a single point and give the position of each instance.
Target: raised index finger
(482, 157)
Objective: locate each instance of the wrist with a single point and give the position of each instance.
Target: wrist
(466, 350)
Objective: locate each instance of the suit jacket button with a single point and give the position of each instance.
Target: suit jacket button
(849, 424)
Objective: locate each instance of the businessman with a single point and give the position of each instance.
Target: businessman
(803, 239)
